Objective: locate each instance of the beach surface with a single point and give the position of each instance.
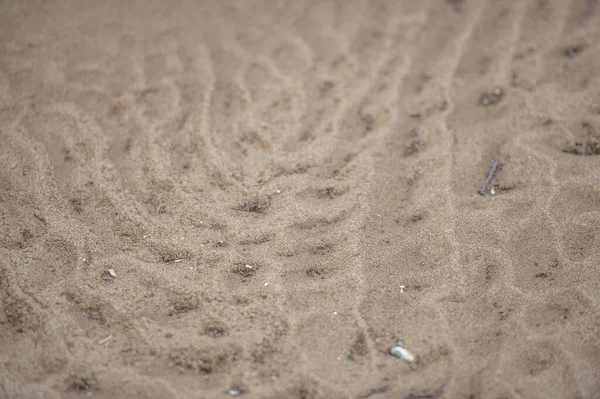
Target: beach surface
(200, 199)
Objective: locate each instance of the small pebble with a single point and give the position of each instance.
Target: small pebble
(491, 98)
(234, 392)
(266, 284)
(572, 51)
(402, 353)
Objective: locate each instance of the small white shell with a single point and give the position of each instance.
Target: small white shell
(234, 392)
(402, 353)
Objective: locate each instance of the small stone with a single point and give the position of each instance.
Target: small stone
(402, 353)
(112, 273)
(234, 392)
(491, 98)
(573, 51)
(412, 147)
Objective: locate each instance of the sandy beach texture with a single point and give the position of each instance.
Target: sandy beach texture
(206, 198)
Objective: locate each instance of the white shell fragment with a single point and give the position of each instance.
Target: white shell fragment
(112, 273)
(234, 392)
(402, 353)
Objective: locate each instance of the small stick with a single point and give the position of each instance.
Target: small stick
(105, 340)
(490, 175)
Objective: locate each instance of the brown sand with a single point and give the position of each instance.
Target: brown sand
(337, 148)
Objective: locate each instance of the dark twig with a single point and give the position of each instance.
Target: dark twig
(490, 175)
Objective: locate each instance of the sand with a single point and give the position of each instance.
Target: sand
(285, 189)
